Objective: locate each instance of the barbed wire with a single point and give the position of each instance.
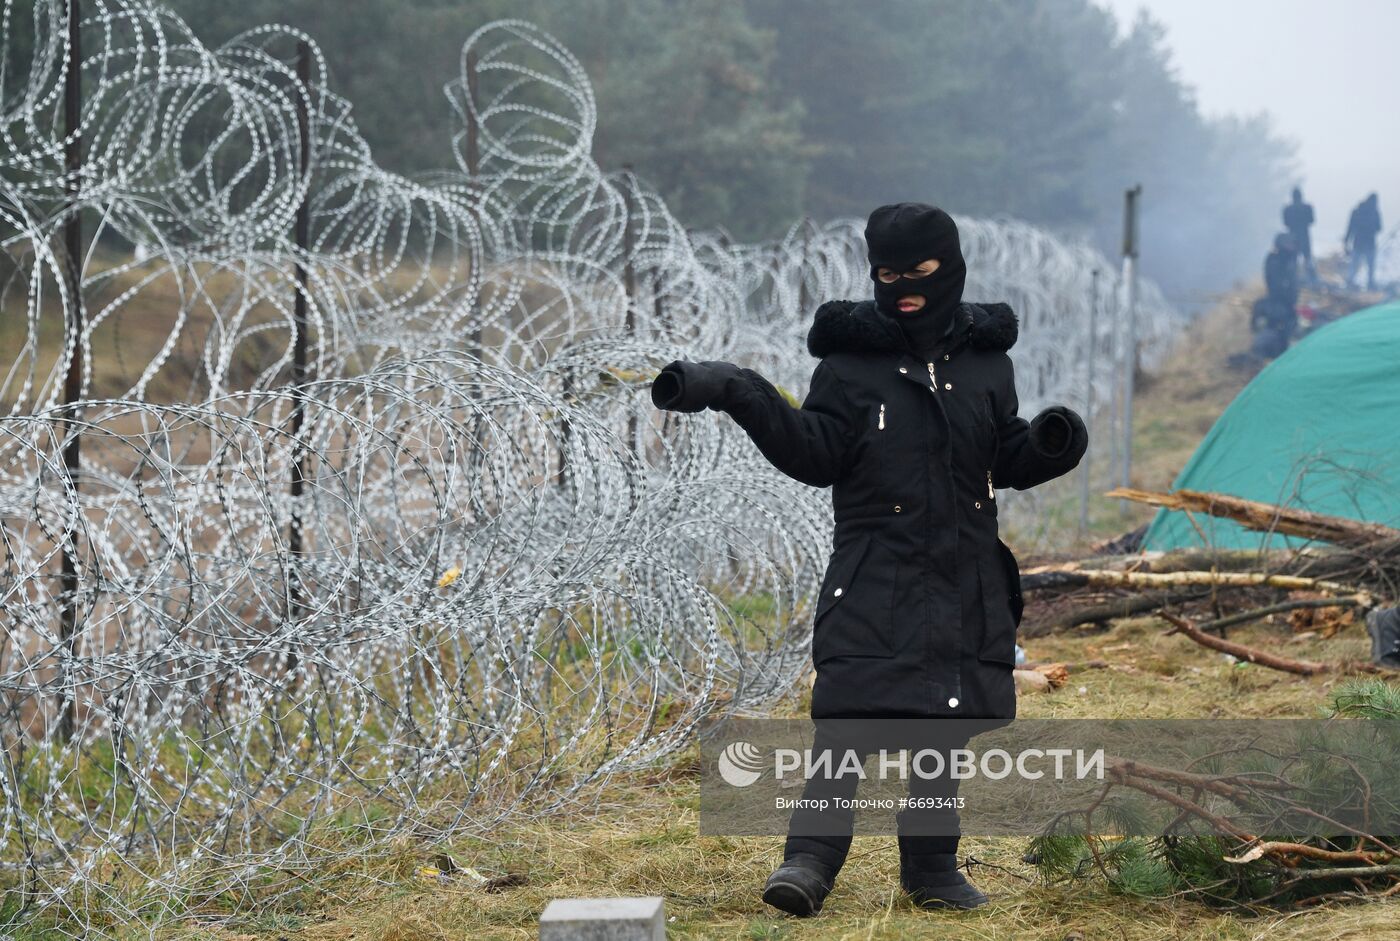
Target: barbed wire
(511, 576)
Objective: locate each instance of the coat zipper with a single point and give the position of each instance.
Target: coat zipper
(933, 384)
(928, 546)
(881, 425)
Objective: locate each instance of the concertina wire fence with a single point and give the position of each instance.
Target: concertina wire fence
(511, 576)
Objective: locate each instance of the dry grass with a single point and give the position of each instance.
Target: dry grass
(641, 839)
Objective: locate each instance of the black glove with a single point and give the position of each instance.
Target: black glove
(683, 386)
(832, 308)
(1058, 431)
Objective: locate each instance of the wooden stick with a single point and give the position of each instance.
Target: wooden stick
(1073, 666)
(1275, 848)
(1179, 560)
(1120, 776)
(1099, 578)
(1361, 600)
(1346, 872)
(1266, 517)
(1225, 786)
(1240, 651)
(1107, 611)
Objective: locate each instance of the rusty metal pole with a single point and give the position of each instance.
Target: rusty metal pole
(73, 381)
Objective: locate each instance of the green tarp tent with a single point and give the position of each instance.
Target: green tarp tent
(1318, 429)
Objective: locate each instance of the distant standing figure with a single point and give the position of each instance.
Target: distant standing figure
(1360, 240)
(1298, 220)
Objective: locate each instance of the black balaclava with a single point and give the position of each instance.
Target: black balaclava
(898, 237)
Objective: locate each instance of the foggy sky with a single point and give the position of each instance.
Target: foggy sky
(1326, 70)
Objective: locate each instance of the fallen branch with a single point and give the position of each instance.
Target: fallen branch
(1231, 787)
(1100, 578)
(1346, 872)
(1361, 600)
(1241, 652)
(1266, 517)
(1282, 850)
(1072, 666)
(1177, 560)
(1120, 775)
(1106, 611)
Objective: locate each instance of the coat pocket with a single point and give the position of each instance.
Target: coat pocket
(1000, 609)
(1013, 581)
(853, 613)
(993, 431)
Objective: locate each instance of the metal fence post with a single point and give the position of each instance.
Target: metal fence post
(1086, 471)
(473, 172)
(802, 299)
(629, 283)
(73, 381)
(300, 349)
(1130, 257)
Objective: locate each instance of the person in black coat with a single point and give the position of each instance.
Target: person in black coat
(1281, 272)
(911, 419)
(1360, 241)
(1298, 220)
(1274, 317)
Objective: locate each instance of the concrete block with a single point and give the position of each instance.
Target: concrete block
(635, 919)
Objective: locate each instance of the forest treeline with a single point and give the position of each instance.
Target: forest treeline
(747, 114)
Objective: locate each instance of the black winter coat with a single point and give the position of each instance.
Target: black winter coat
(1298, 218)
(1363, 227)
(1281, 277)
(920, 601)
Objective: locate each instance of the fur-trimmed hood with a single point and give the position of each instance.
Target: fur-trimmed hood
(844, 327)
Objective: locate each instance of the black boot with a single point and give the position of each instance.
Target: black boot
(928, 868)
(933, 880)
(799, 886)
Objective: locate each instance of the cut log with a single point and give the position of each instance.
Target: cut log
(1099, 578)
(1178, 560)
(1266, 517)
(1031, 681)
